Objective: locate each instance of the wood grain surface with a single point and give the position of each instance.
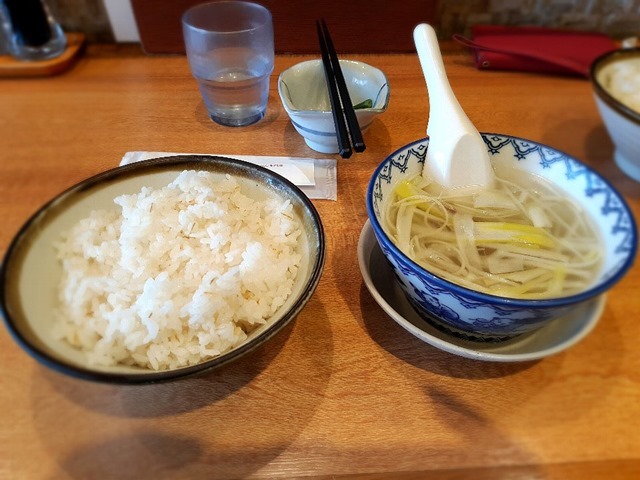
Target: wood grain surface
(343, 391)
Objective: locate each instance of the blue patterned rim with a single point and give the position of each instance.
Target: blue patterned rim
(612, 204)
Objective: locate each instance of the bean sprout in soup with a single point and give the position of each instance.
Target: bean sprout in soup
(523, 239)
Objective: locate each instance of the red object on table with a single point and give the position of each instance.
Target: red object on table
(536, 49)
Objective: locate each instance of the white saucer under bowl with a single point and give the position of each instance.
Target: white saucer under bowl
(548, 340)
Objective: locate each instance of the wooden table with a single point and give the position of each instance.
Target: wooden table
(344, 391)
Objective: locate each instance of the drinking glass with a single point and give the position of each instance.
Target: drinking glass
(229, 45)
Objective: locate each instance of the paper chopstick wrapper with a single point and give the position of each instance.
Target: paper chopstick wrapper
(315, 177)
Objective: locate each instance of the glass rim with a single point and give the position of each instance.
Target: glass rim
(189, 23)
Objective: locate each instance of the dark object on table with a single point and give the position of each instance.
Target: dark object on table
(341, 105)
(30, 30)
(29, 21)
(158, 23)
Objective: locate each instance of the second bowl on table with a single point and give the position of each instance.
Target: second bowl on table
(615, 77)
(304, 95)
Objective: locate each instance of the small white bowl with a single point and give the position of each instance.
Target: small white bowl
(621, 119)
(303, 91)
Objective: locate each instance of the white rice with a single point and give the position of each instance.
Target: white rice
(622, 81)
(176, 275)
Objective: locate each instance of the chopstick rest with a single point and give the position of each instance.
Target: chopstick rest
(344, 115)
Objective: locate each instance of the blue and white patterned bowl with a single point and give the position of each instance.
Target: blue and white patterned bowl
(304, 95)
(482, 317)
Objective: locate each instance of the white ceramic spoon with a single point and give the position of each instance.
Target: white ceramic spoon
(457, 157)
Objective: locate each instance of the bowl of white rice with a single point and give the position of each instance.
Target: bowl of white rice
(615, 77)
(161, 269)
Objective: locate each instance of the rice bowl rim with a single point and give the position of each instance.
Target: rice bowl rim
(496, 300)
(21, 243)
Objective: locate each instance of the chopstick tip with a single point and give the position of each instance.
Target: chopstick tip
(359, 147)
(345, 152)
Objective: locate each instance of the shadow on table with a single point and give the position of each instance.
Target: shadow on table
(156, 454)
(559, 374)
(189, 394)
(236, 419)
(400, 343)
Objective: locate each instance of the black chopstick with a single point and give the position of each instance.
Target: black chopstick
(336, 109)
(345, 97)
(339, 96)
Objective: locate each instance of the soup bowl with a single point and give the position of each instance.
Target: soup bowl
(483, 317)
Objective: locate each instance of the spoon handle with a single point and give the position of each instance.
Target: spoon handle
(457, 156)
(444, 107)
